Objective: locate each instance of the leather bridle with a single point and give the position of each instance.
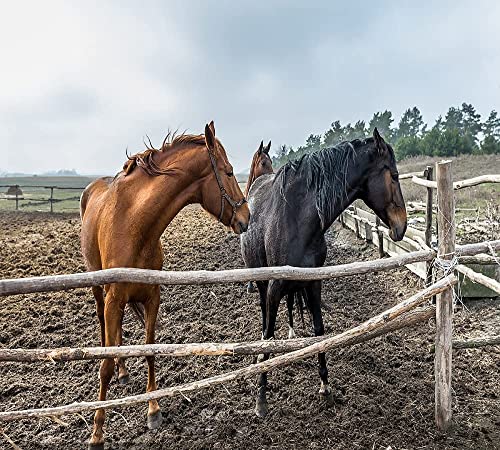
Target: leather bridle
(223, 194)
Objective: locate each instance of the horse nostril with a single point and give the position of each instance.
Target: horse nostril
(243, 226)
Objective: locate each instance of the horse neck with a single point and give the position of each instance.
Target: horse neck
(157, 200)
(251, 176)
(352, 179)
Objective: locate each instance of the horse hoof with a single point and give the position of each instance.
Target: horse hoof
(261, 409)
(96, 446)
(124, 379)
(329, 399)
(327, 395)
(155, 420)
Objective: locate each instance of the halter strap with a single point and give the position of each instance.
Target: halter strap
(224, 195)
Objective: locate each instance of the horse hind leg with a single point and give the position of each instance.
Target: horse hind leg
(151, 307)
(123, 373)
(98, 292)
(270, 310)
(314, 299)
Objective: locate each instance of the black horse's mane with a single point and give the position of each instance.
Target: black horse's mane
(325, 171)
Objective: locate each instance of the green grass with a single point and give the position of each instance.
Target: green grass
(484, 197)
(35, 198)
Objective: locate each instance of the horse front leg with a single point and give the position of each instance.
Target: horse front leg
(113, 315)
(262, 287)
(314, 298)
(151, 306)
(272, 303)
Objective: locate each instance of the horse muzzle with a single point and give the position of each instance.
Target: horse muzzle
(240, 227)
(397, 232)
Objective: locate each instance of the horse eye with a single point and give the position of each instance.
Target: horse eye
(230, 174)
(395, 176)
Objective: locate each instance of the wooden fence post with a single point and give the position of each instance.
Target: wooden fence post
(17, 197)
(356, 223)
(428, 222)
(380, 235)
(428, 213)
(444, 303)
(51, 200)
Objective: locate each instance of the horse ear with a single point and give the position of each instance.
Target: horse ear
(261, 147)
(267, 148)
(210, 135)
(212, 126)
(379, 141)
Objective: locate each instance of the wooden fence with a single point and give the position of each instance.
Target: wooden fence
(366, 225)
(51, 199)
(403, 314)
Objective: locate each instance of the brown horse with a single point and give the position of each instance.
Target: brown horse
(122, 221)
(261, 165)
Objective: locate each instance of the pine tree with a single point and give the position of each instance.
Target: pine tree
(382, 121)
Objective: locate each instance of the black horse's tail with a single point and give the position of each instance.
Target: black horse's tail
(301, 304)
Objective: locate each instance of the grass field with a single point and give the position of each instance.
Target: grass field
(485, 198)
(35, 197)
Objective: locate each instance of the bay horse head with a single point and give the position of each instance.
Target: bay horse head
(381, 190)
(220, 192)
(261, 165)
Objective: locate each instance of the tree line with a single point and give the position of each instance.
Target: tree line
(460, 132)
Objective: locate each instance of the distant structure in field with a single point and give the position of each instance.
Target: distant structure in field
(14, 190)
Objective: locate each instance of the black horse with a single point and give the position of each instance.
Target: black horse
(292, 210)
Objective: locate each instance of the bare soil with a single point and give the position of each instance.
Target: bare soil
(384, 388)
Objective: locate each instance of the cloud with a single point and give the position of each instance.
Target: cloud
(80, 82)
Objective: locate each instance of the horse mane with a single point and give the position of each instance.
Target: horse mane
(172, 141)
(326, 172)
(251, 176)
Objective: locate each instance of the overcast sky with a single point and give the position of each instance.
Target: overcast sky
(82, 81)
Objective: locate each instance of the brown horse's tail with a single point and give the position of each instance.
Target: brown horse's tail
(84, 198)
(138, 310)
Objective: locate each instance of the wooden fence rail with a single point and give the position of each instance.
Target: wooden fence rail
(200, 349)
(346, 338)
(460, 184)
(476, 277)
(476, 342)
(50, 200)
(200, 277)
